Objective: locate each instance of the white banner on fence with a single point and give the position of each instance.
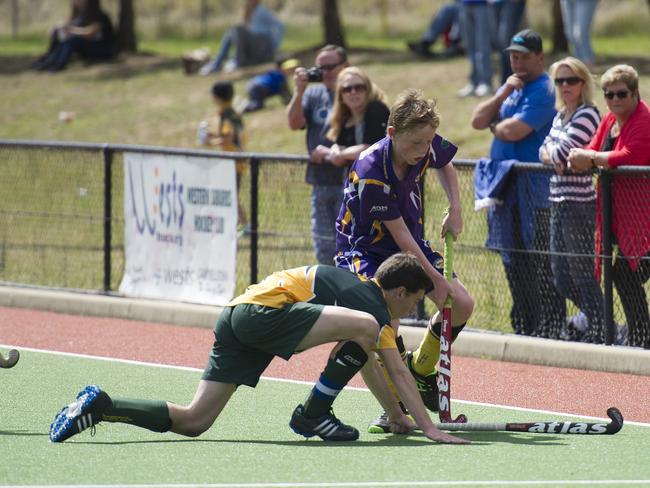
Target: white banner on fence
(180, 229)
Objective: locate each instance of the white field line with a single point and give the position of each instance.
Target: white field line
(365, 484)
(187, 368)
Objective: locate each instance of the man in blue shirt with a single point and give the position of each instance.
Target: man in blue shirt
(520, 115)
(310, 109)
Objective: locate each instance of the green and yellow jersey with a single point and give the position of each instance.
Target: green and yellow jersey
(324, 285)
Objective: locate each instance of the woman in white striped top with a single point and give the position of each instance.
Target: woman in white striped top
(573, 197)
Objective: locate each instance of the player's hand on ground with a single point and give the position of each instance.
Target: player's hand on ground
(438, 435)
(401, 424)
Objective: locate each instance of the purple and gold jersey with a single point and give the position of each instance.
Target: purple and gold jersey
(374, 194)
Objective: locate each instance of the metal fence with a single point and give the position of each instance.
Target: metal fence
(61, 226)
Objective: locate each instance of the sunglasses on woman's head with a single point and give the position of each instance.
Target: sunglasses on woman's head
(609, 95)
(572, 80)
(351, 88)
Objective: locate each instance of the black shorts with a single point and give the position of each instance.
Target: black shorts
(248, 336)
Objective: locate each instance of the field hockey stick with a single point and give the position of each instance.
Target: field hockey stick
(11, 359)
(554, 427)
(444, 369)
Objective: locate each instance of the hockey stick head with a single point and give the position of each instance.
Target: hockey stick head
(617, 420)
(11, 359)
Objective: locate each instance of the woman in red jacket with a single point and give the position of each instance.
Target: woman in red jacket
(623, 139)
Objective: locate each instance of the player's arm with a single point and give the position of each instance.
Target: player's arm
(405, 385)
(452, 221)
(376, 383)
(402, 236)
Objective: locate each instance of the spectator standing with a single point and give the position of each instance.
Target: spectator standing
(623, 138)
(577, 17)
(88, 33)
(573, 197)
(269, 84)
(382, 215)
(508, 15)
(520, 116)
(310, 108)
(446, 23)
(255, 41)
(225, 131)
(359, 116)
(476, 23)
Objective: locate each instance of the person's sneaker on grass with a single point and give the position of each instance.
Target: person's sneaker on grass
(327, 426)
(421, 48)
(427, 385)
(381, 425)
(85, 412)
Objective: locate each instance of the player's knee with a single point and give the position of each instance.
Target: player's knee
(195, 429)
(463, 306)
(366, 330)
(190, 422)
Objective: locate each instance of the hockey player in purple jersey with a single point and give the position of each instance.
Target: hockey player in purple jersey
(382, 214)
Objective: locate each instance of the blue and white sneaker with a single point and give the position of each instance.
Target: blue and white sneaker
(83, 413)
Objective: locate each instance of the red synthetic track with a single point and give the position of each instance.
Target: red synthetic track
(521, 385)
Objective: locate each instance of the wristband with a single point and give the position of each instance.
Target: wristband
(593, 159)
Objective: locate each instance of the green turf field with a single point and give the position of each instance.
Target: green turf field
(251, 444)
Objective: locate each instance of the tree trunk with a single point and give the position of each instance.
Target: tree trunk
(126, 41)
(560, 44)
(332, 23)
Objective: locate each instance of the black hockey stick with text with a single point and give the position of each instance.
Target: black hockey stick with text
(553, 427)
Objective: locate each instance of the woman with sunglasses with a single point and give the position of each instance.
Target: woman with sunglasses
(623, 139)
(359, 116)
(573, 197)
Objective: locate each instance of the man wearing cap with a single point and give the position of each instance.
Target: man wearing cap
(520, 116)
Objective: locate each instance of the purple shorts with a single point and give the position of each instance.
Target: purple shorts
(366, 266)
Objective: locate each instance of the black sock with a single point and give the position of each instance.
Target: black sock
(347, 362)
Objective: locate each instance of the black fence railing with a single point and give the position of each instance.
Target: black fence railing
(62, 226)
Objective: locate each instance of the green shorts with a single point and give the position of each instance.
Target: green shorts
(247, 337)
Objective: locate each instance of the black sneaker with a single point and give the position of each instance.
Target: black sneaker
(327, 426)
(421, 48)
(427, 385)
(85, 412)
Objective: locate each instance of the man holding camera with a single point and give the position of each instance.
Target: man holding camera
(310, 108)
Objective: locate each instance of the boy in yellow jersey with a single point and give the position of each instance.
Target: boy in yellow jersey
(288, 312)
(225, 131)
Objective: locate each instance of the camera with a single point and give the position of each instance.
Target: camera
(314, 74)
